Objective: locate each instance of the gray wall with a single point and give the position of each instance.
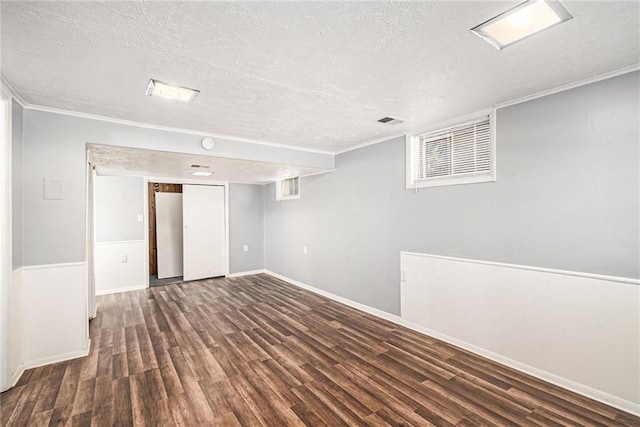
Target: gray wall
(16, 184)
(246, 227)
(567, 197)
(118, 202)
(54, 146)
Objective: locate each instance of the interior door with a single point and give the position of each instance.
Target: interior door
(169, 234)
(203, 213)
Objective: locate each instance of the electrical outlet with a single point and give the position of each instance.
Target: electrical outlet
(123, 258)
(403, 276)
(304, 250)
(140, 218)
(245, 248)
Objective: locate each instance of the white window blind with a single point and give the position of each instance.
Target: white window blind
(455, 155)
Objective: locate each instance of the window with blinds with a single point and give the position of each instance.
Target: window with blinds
(456, 155)
(288, 189)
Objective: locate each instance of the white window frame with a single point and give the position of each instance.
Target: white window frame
(412, 141)
(279, 189)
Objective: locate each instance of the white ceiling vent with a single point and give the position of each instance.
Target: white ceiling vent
(200, 166)
(390, 120)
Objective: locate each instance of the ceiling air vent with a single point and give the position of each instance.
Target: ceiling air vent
(390, 120)
(200, 166)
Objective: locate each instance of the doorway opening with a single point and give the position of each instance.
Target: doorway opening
(153, 189)
(188, 232)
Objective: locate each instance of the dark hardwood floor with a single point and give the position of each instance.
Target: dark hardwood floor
(257, 351)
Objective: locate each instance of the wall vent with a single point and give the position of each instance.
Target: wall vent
(390, 120)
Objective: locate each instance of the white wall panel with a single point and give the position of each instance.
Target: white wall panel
(54, 313)
(578, 327)
(14, 338)
(114, 275)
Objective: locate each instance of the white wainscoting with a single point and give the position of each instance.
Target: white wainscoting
(55, 322)
(15, 333)
(112, 275)
(604, 397)
(577, 330)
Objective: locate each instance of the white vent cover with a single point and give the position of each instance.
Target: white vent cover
(390, 120)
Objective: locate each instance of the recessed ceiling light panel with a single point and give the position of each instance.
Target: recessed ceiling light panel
(522, 21)
(164, 90)
(200, 173)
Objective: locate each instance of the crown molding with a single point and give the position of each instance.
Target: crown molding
(170, 128)
(569, 86)
(10, 92)
(584, 82)
(372, 142)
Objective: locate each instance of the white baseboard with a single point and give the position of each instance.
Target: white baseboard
(246, 273)
(58, 358)
(119, 290)
(16, 375)
(581, 389)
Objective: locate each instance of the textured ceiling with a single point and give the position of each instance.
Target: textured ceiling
(114, 160)
(308, 74)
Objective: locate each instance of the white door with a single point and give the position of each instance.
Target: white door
(169, 234)
(203, 214)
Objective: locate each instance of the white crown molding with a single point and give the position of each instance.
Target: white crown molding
(569, 86)
(509, 103)
(372, 142)
(504, 104)
(169, 128)
(11, 92)
(8, 91)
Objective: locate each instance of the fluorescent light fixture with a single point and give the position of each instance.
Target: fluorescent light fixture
(164, 90)
(200, 173)
(522, 21)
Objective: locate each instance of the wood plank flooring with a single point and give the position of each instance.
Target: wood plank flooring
(255, 351)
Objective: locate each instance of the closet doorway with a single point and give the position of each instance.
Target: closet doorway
(155, 188)
(187, 232)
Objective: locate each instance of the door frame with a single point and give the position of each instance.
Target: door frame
(90, 239)
(164, 180)
(6, 262)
